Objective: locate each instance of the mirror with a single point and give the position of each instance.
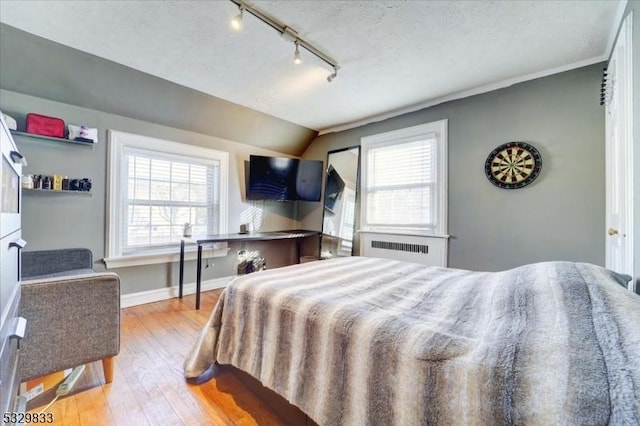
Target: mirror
(340, 200)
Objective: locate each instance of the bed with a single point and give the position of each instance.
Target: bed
(358, 341)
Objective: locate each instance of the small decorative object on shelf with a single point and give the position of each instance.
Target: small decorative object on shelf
(44, 125)
(56, 183)
(11, 122)
(83, 134)
(27, 182)
(45, 182)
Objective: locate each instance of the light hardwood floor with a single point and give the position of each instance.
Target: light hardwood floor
(148, 386)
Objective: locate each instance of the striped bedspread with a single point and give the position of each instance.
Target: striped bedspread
(365, 341)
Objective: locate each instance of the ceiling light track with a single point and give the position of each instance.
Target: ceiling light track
(288, 33)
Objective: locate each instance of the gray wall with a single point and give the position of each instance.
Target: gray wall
(61, 221)
(558, 217)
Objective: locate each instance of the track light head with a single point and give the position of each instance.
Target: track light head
(236, 22)
(297, 59)
(333, 75)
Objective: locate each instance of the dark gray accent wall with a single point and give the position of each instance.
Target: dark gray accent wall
(38, 67)
(558, 217)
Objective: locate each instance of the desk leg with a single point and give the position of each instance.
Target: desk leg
(181, 282)
(298, 249)
(198, 276)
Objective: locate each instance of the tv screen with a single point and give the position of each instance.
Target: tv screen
(284, 179)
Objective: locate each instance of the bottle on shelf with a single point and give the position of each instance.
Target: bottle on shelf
(46, 182)
(57, 183)
(27, 181)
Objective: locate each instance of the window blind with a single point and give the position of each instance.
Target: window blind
(401, 184)
(161, 193)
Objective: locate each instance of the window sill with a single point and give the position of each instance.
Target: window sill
(404, 232)
(162, 257)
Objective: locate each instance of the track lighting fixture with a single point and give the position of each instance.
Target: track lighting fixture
(296, 56)
(236, 22)
(287, 33)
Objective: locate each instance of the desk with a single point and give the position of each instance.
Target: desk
(200, 240)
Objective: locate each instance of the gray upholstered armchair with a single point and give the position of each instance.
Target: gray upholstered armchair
(72, 312)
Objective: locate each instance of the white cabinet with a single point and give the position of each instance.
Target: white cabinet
(11, 175)
(12, 327)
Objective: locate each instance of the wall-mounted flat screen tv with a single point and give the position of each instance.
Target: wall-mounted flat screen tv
(284, 179)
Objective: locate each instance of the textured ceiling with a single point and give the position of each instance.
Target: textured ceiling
(394, 55)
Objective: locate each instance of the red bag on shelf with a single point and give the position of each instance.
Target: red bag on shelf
(46, 126)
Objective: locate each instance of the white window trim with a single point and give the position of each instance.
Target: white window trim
(118, 142)
(389, 138)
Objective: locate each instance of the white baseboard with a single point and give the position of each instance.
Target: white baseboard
(156, 295)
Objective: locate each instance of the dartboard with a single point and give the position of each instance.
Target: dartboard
(513, 165)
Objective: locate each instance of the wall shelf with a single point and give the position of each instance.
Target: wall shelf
(53, 192)
(49, 138)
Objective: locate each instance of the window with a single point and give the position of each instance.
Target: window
(404, 181)
(156, 187)
(347, 222)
